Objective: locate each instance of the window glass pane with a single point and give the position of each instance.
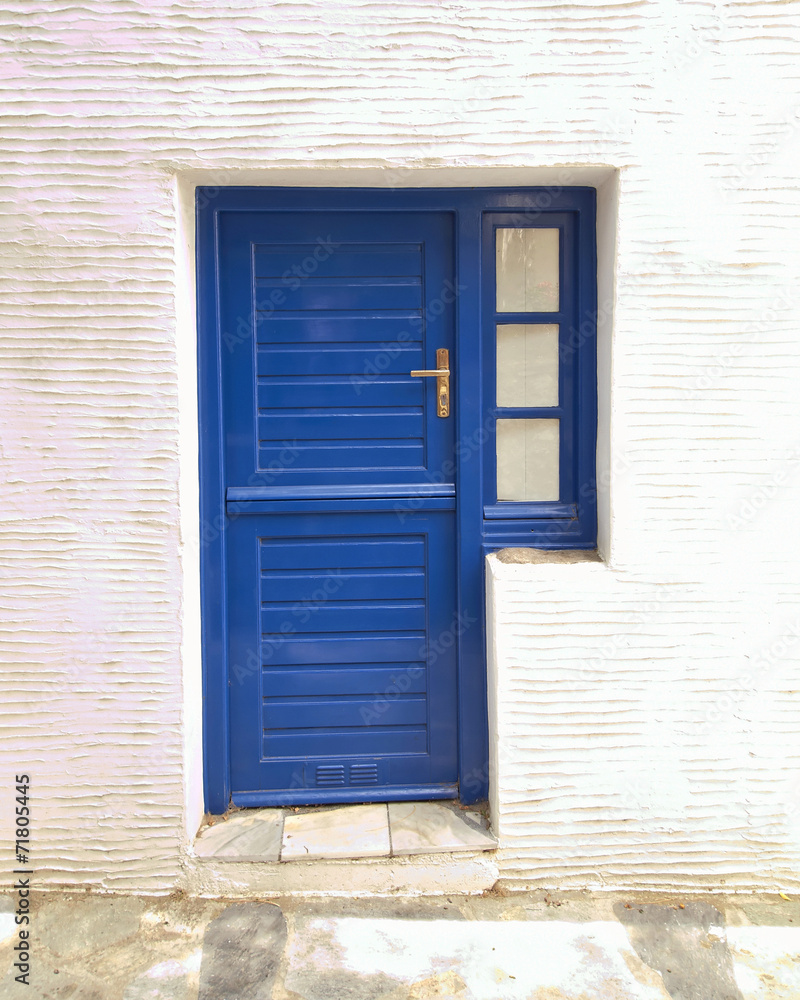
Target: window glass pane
(527, 364)
(527, 460)
(527, 270)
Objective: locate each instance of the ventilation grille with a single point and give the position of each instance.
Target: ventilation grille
(330, 774)
(327, 775)
(363, 774)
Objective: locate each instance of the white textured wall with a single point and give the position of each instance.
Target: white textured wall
(104, 102)
(644, 727)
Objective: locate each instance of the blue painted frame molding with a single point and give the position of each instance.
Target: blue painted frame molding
(482, 525)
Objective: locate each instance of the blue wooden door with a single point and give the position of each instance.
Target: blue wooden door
(340, 531)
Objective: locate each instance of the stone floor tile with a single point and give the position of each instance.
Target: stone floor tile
(341, 832)
(688, 947)
(249, 835)
(242, 952)
(431, 827)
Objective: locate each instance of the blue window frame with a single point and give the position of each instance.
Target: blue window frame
(568, 519)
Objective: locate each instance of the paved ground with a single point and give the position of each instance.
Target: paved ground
(491, 947)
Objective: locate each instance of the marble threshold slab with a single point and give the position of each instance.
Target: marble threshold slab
(379, 830)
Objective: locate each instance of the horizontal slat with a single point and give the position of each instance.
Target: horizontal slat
(332, 554)
(317, 281)
(347, 585)
(403, 508)
(341, 391)
(372, 678)
(338, 616)
(405, 453)
(351, 294)
(372, 741)
(368, 363)
(346, 649)
(329, 713)
(322, 260)
(368, 423)
(339, 328)
(339, 491)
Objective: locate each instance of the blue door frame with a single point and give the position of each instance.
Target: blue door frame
(481, 523)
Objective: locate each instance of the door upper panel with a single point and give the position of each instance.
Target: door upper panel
(323, 317)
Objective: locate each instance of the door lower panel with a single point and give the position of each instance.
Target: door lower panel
(343, 673)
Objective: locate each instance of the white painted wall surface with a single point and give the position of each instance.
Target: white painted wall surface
(644, 730)
(649, 706)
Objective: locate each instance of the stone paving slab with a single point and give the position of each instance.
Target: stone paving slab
(341, 832)
(249, 835)
(431, 827)
(520, 946)
(242, 951)
(687, 946)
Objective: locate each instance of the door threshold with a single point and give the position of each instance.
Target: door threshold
(343, 832)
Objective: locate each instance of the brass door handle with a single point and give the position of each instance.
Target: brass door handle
(442, 376)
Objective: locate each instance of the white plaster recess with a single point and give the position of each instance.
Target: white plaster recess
(676, 757)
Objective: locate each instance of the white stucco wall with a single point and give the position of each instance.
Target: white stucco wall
(648, 703)
(644, 729)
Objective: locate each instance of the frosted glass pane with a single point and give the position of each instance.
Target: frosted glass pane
(527, 460)
(527, 364)
(527, 270)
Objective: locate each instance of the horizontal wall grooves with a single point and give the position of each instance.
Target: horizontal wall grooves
(655, 742)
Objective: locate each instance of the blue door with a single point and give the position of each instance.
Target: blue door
(340, 556)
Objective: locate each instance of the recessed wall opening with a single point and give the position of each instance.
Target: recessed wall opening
(388, 262)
